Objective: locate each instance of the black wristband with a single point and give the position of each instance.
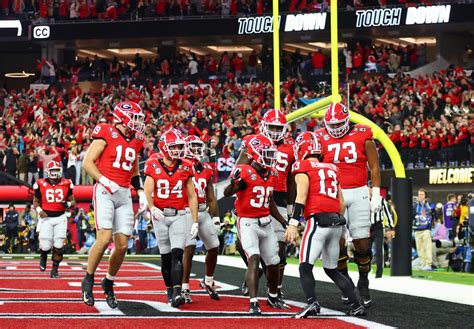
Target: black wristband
(298, 211)
(137, 183)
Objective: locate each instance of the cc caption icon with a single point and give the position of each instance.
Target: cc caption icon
(41, 32)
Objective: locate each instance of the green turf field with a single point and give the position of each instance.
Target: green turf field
(440, 275)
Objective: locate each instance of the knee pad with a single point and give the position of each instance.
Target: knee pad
(305, 269)
(57, 254)
(363, 260)
(177, 255)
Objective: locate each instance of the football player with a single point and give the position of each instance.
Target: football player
(112, 160)
(169, 189)
(274, 126)
(53, 196)
(319, 200)
(253, 184)
(209, 220)
(351, 148)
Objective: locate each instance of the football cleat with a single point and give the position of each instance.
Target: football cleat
(280, 296)
(275, 302)
(357, 310)
(108, 287)
(177, 301)
(186, 294)
(43, 260)
(366, 301)
(87, 295)
(345, 300)
(54, 272)
(312, 309)
(254, 309)
(211, 290)
(169, 294)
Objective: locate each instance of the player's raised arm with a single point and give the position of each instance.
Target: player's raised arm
(236, 183)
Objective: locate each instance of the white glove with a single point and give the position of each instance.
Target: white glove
(194, 230)
(217, 222)
(376, 200)
(109, 185)
(142, 201)
(157, 214)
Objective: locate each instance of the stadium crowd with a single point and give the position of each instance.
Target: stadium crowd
(426, 117)
(357, 58)
(59, 10)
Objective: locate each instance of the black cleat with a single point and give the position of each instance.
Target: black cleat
(363, 287)
(186, 294)
(86, 287)
(54, 272)
(280, 297)
(177, 300)
(345, 300)
(108, 287)
(312, 309)
(366, 301)
(211, 290)
(357, 310)
(169, 293)
(43, 259)
(275, 302)
(254, 309)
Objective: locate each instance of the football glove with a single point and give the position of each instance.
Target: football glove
(142, 202)
(109, 185)
(376, 200)
(194, 230)
(157, 214)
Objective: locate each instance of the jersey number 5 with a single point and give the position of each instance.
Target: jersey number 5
(129, 156)
(262, 199)
(351, 151)
(54, 195)
(282, 161)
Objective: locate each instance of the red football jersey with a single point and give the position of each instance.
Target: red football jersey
(52, 197)
(323, 185)
(170, 183)
(348, 154)
(285, 158)
(202, 176)
(117, 161)
(254, 200)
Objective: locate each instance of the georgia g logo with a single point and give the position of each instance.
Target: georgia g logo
(345, 110)
(126, 106)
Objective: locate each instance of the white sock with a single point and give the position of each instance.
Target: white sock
(209, 280)
(185, 286)
(254, 300)
(110, 277)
